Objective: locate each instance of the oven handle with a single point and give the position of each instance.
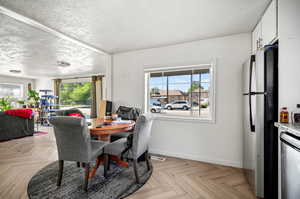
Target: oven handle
(290, 140)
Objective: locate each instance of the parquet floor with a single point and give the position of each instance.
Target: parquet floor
(174, 178)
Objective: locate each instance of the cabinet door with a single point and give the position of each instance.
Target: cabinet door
(269, 24)
(256, 35)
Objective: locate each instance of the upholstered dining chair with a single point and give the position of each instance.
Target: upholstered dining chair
(126, 113)
(74, 143)
(68, 111)
(141, 138)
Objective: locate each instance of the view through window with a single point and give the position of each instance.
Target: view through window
(181, 92)
(76, 95)
(11, 90)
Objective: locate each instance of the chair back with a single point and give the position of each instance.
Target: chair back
(128, 113)
(141, 135)
(72, 138)
(67, 111)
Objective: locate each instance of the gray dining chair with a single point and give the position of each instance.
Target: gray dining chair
(126, 113)
(67, 111)
(141, 138)
(74, 143)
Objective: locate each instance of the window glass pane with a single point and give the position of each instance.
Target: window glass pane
(178, 98)
(11, 90)
(200, 94)
(76, 95)
(180, 93)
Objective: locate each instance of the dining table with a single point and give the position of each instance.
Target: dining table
(102, 129)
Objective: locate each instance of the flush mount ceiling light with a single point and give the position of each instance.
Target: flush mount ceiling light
(15, 71)
(63, 64)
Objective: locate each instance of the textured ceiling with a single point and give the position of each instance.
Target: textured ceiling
(36, 52)
(119, 25)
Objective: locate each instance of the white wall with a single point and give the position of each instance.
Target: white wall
(18, 80)
(217, 143)
(289, 53)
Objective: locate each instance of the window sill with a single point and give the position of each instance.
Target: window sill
(182, 118)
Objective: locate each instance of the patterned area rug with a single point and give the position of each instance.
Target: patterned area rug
(119, 184)
(37, 133)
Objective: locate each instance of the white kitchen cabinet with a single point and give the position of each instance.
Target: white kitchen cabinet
(269, 24)
(265, 31)
(256, 37)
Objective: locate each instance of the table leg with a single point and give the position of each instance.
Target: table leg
(101, 158)
(105, 138)
(99, 161)
(119, 161)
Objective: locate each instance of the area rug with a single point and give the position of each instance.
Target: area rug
(119, 184)
(36, 133)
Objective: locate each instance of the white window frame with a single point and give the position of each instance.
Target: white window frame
(16, 84)
(212, 90)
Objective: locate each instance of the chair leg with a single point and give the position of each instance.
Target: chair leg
(86, 179)
(78, 164)
(60, 172)
(147, 156)
(83, 165)
(106, 162)
(135, 167)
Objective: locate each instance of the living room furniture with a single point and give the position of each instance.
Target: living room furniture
(103, 133)
(141, 138)
(12, 127)
(74, 143)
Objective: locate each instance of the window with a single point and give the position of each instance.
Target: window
(76, 93)
(12, 90)
(181, 91)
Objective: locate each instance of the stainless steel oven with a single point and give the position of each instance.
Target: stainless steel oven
(290, 166)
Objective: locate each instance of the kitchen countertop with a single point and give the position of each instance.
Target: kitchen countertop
(291, 128)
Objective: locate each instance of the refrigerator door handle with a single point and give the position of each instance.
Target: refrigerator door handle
(252, 126)
(258, 93)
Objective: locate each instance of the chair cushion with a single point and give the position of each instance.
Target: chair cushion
(116, 147)
(117, 136)
(97, 148)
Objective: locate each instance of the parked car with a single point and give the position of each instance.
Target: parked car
(155, 105)
(155, 109)
(179, 104)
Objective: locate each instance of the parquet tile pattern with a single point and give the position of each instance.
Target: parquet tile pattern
(175, 178)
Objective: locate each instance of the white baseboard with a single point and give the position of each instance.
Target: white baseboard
(197, 158)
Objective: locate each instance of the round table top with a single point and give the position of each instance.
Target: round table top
(113, 127)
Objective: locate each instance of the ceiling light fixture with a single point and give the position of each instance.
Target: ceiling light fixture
(63, 64)
(15, 71)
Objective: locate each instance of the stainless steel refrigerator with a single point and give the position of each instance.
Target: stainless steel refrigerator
(260, 93)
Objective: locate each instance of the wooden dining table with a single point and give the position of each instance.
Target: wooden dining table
(103, 129)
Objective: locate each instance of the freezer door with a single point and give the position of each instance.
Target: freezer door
(249, 75)
(246, 75)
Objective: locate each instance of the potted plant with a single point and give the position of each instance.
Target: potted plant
(22, 103)
(5, 103)
(33, 98)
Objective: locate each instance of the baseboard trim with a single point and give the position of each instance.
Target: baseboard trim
(197, 158)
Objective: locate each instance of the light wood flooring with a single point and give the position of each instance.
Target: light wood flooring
(174, 178)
